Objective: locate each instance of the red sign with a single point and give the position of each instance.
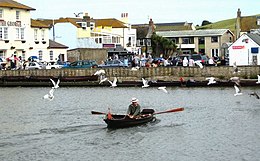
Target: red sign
(238, 47)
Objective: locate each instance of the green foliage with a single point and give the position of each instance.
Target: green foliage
(162, 45)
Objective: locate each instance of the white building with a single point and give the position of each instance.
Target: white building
(245, 50)
(23, 37)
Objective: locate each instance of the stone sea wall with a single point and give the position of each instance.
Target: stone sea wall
(158, 73)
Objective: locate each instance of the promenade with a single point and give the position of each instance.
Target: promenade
(169, 76)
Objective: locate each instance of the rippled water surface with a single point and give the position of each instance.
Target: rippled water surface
(215, 125)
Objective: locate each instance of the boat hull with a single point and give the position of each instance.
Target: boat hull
(123, 121)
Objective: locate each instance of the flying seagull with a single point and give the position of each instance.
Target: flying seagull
(235, 68)
(254, 94)
(238, 91)
(163, 89)
(211, 80)
(236, 80)
(145, 83)
(100, 72)
(199, 64)
(50, 95)
(113, 84)
(258, 79)
(102, 80)
(55, 85)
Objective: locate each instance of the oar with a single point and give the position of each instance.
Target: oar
(168, 111)
(98, 113)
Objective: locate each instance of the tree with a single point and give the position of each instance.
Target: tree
(205, 22)
(162, 45)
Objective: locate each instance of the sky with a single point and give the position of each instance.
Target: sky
(140, 11)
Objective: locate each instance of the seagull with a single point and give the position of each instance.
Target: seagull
(145, 83)
(199, 64)
(49, 96)
(55, 85)
(236, 80)
(211, 80)
(100, 72)
(238, 91)
(163, 89)
(113, 84)
(258, 79)
(254, 94)
(235, 68)
(102, 80)
(77, 14)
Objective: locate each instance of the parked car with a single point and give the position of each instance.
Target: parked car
(35, 65)
(82, 64)
(3, 63)
(203, 59)
(112, 63)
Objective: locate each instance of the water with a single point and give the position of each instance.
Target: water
(215, 125)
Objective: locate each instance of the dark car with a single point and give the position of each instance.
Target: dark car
(112, 63)
(203, 59)
(82, 64)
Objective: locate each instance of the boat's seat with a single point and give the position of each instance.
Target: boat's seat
(147, 111)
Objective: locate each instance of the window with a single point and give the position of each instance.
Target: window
(3, 33)
(17, 15)
(51, 55)
(35, 34)
(214, 52)
(40, 55)
(1, 13)
(19, 34)
(201, 40)
(186, 40)
(43, 33)
(214, 39)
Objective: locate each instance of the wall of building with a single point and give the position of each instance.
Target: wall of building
(159, 73)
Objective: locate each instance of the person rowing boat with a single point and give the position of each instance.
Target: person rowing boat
(134, 109)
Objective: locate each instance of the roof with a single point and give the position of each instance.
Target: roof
(254, 37)
(14, 4)
(56, 45)
(39, 24)
(193, 33)
(110, 22)
(248, 22)
(174, 26)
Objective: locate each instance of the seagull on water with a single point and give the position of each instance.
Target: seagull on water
(55, 85)
(50, 95)
(254, 94)
(211, 80)
(145, 83)
(113, 84)
(238, 91)
(258, 79)
(163, 89)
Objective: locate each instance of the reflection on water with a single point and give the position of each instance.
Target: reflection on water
(214, 124)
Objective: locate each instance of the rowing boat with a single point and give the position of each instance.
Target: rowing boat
(123, 121)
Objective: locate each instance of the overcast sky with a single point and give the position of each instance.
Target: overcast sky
(139, 11)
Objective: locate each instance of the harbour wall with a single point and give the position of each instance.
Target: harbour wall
(158, 73)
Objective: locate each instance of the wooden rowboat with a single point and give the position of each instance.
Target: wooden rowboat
(123, 121)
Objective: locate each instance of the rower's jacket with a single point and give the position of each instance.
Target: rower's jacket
(134, 110)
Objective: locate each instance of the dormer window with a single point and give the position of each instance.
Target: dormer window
(18, 15)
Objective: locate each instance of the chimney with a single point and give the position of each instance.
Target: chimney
(238, 23)
(124, 17)
(86, 18)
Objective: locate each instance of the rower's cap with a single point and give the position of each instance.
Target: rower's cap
(134, 99)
